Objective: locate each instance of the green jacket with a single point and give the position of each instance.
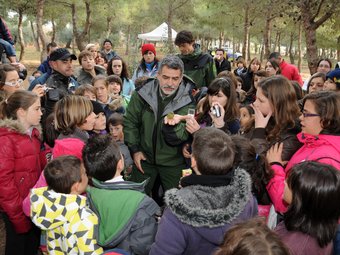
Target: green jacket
(199, 67)
(144, 128)
(126, 215)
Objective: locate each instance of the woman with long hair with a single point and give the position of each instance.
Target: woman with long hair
(118, 67)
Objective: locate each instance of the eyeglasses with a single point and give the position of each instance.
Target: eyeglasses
(306, 115)
(14, 83)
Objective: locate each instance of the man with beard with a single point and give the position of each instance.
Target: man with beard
(156, 147)
(60, 83)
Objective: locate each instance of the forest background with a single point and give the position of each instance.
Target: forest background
(302, 30)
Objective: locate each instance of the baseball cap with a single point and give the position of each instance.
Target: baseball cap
(61, 54)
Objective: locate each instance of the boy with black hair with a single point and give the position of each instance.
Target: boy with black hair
(61, 210)
(126, 214)
(198, 66)
(209, 203)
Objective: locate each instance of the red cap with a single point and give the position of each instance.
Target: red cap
(148, 47)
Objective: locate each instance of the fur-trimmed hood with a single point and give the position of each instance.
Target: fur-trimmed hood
(10, 125)
(203, 206)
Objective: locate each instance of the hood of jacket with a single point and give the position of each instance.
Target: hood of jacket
(204, 206)
(7, 126)
(195, 54)
(149, 92)
(50, 210)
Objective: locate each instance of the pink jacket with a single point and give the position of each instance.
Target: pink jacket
(323, 148)
(66, 146)
(290, 72)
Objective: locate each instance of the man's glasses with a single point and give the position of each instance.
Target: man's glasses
(14, 83)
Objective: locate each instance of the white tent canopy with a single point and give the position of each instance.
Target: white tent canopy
(158, 34)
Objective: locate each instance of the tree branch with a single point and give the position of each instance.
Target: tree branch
(180, 5)
(318, 10)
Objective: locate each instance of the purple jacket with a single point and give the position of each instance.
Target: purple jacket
(300, 243)
(198, 216)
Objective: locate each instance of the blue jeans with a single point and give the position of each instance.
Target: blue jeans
(336, 242)
(9, 49)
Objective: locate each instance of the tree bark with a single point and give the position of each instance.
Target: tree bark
(128, 41)
(108, 26)
(169, 22)
(20, 35)
(290, 50)
(35, 37)
(338, 49)
(42, 36)
(300, 46)
(53, 30)
(80, 37)
(246, 33)
(266, 37)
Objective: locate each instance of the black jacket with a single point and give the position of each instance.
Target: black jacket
(223, 66)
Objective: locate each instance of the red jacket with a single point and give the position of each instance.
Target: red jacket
(20, 167)
(290, 72)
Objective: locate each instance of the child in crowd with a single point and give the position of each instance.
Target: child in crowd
(86, 90)
(61, 210)
(127, 216)
(252, 237)
(115, 127)
(20, 166)
(332, 80)
(109, 104)
(209, 202)
(88, 69)
(251, 94)
(115, 86)
(312, 191)
(99, 127)
(241, 67)
(247, 119)
(316, 82)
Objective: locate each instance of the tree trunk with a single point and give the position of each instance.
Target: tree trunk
(248, 49)
(246, 33)
(68, 43)
(21, 37)
(262, 52)
(127, 49)
(300, 46)
(220, 39)
(169, 22)
(108, 26)
(42, 36)
(266, 38)
(290, 50)
(80, 37)
(279, 41)
(338, 49)
(35, 37)
(53, 30)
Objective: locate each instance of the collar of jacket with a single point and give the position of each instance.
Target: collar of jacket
(16, 126)
(125, 185)
(62, 78)
(195, 54)
(203, 206)
(149, 92)
(78, 133)
(207, 180)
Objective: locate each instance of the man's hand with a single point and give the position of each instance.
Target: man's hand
(137, 158)
(39, 90)
(176, 118)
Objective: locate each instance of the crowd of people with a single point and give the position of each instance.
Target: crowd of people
(186, 156)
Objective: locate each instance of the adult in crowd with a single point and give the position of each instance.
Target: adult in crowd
(7, 42)
(198, 66)
(45, 66)
(149, 64)
(155, 146)
(288, 70)
(118, 67)
(107, 50)
(316, 82)
(248, 77)
(60, 83)
(221, 63)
